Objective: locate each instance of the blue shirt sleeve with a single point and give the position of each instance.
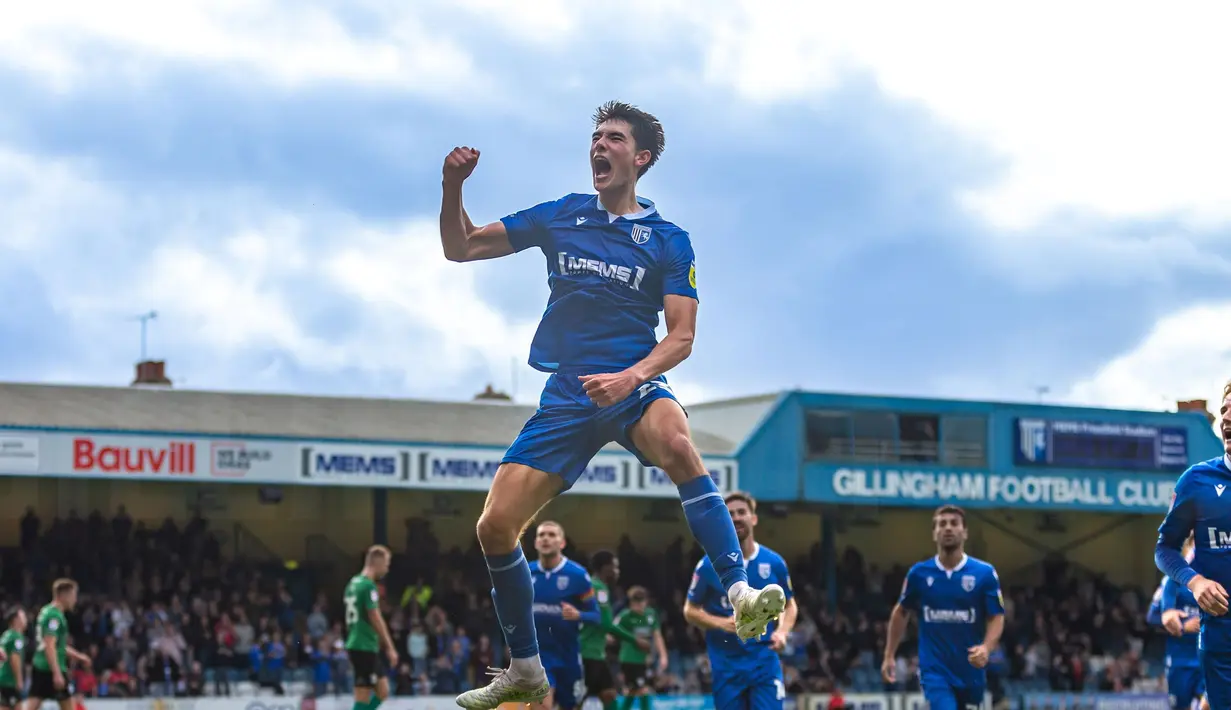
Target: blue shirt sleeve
(1175, 530)
(529, 227)
(699, 588)
(587, 605)
(993, 600)
(909, 598)
(1171, 593)
(785, 575)
(680, 269)
(1154, 615)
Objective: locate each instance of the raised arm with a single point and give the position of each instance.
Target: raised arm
(460, 238)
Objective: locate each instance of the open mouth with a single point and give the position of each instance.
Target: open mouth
(601, 167)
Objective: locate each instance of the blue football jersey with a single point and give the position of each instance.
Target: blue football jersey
(953, 607)
(1154, 615)
(765, 567)
(567, 582)
(608, 276)
(1181, 650)
(1202, 503)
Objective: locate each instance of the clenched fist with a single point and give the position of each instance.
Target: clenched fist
(459, 163)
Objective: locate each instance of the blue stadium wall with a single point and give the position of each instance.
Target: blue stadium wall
(776, 466)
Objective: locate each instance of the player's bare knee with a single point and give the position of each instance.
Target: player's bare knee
(679, 458)
(497, 533)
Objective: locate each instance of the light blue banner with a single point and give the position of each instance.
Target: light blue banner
(928, 487)
(1096, 701)
(681, 702)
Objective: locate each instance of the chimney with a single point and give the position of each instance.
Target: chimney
(1196, 405)
(489, 394)
(151, 373)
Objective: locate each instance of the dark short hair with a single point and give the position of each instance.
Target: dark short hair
(638, 594)
(950, 509)
(647, 130)
(741, 496)
(601, 559)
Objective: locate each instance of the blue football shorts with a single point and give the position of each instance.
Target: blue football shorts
(567, 684)
(568, 429)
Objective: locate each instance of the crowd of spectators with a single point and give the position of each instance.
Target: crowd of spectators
(162, 611)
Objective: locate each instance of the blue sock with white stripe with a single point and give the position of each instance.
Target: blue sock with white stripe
(513, 593)
(711, 525)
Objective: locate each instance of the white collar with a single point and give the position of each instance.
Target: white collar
(959, 566)
(756, 550)
(647, 209)
(1226, 460)
(557, 568)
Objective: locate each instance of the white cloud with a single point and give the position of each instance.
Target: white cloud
(224, 292)
(1109, 106)
(289, 43)
(1181, 358)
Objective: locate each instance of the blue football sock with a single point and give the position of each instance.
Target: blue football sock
(711, 524)
(513, 592)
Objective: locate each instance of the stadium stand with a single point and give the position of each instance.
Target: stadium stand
(175, 603)
(164, 611)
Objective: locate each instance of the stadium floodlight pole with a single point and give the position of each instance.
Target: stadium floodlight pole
(145, 319)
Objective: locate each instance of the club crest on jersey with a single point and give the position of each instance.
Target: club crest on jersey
(641, 234)
(562, 583)
(763, 570)
(968, 583)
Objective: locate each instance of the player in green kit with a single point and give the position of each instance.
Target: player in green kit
(366, 632)
(604, 573)
(641, 620)
(13, 645)
(49, 678)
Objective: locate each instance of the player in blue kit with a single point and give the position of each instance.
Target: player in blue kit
(563, 599)
(747, 675)
(1174, 609)
(1200, 509)
(961, 617)
(613, 264)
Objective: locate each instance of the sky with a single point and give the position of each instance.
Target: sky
(889, 198)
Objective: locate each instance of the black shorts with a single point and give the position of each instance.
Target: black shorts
(598, 676)
(635, 674)
(9, 697)
(43, 686)
(369, 667)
